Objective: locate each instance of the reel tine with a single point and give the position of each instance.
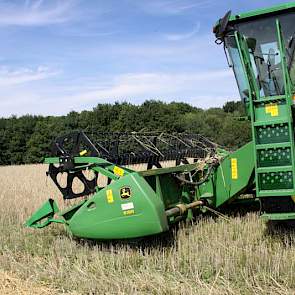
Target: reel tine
(130, 148)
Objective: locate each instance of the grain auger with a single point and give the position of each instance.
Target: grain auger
(185, 175)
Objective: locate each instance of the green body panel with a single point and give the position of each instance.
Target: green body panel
(229, 182)
(141, 214)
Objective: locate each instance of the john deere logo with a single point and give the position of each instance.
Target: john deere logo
(125, 192)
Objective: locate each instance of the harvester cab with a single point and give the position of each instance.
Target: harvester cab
(260, 49)
(131, 203)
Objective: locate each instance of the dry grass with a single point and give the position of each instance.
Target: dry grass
(11, 285)
(212, 257)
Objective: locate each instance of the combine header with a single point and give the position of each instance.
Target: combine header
(260, 48)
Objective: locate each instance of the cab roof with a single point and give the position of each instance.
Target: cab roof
(263, 11)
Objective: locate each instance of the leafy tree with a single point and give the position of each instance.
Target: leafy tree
(234, 107)
(27, 139)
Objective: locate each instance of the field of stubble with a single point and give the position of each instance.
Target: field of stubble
(215, 256)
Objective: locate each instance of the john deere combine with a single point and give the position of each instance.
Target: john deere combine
(260, 48)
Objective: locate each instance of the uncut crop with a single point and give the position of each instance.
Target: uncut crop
(214, 256)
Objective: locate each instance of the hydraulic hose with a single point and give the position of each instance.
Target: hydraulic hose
(180, 209)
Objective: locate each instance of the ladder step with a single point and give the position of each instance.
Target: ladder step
(274, 169)
(273, 136)
(272, 145)
(271, 122)
(279, 216)
(270, 99)
(279, 192)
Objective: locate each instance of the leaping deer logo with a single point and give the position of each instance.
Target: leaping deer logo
(125, 192)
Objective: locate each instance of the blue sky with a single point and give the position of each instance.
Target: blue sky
(62, 55)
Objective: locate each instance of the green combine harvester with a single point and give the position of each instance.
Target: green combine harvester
(260, 48)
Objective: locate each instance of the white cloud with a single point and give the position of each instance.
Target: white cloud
(35, 13)
(149, 85)
(183, 36)
(202, 89)
(10, 77)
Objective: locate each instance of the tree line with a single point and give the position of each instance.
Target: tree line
(27, 139)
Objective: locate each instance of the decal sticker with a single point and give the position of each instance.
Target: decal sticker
(118, 171)
(128, 212)
(125, 192)
(234, 168)
(272, 109)
(127, 206)
(110, 197)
